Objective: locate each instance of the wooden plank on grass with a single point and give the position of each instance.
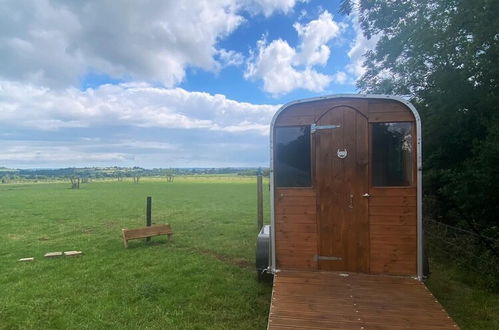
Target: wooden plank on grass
(144, 232)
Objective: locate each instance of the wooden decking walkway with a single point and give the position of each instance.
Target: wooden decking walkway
(330, 300)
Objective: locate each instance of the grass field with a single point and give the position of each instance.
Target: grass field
(204, 278)
(469, 305)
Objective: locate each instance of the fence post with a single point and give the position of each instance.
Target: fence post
(149, 215)
(259, 191)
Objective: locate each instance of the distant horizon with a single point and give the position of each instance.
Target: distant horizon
(128, 167)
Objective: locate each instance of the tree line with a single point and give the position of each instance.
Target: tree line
(135, 173)
(443, 55)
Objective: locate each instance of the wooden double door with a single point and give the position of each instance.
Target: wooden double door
(341, 179)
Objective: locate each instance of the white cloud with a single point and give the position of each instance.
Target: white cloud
(314, 38)
(341, 78)
(129, 125)
(284, 68)
(243, 127)
(41, 153)
(55, 43)
(230, 57)
(86, 151)
(144, 152)
(136, 105)
(268, 7)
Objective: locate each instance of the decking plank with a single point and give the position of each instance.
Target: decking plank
(335, 300)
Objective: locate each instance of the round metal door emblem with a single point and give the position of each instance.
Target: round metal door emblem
(342, 153)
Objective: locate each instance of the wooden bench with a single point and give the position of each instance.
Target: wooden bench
(146, 232)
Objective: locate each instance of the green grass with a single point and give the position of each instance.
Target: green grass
(470, 306)
(204, 278)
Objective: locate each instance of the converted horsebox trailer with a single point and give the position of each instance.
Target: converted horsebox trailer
(345, 189)
(345, 184)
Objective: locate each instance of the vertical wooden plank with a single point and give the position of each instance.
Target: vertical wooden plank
(259, 194)
(125, 241)
(350, 183)
(337, 212)
(362, 186)
(149, 214)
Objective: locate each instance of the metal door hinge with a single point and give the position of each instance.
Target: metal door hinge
(317, 258)
(314, 127)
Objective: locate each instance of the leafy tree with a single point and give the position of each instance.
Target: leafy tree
(444, 55)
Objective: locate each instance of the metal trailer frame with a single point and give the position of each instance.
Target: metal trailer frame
(419, 163)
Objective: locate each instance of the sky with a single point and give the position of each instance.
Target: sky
(163, 83)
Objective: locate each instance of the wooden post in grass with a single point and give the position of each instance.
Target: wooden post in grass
(148, 214)
(259, 192)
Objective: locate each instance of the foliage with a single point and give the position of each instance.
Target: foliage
(444, 55)
(253, 172)
(463, 249)
(469, 306)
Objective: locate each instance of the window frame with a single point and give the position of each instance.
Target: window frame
(311, 155)
(413, 155)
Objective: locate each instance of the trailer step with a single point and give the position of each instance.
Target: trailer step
(330, 300)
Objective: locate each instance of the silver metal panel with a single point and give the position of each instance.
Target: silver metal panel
(271, 177)
(418, 179)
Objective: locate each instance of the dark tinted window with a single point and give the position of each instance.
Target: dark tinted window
(392, 154)
(292, 156)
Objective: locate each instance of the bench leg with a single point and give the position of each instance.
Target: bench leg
(169, 236)
(125, 241)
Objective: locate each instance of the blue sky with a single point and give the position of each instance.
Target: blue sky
(163, 83)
